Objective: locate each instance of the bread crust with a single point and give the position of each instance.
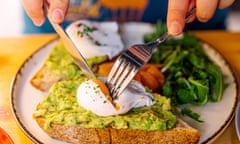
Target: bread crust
(181, 134)
(44, 79)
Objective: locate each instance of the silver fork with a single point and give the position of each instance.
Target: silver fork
(131, 60)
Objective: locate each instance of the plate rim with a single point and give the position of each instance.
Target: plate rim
(237, 118)
(13, 87)
(208, 140)
(237, 87)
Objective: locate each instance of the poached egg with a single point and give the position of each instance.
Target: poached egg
(93, 95)
(96, 38)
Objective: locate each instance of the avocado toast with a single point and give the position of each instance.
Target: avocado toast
(59, 114)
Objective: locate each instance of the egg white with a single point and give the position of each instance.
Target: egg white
(104, 40)
(91, 97)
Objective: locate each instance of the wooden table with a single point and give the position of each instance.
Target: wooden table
(14, 50)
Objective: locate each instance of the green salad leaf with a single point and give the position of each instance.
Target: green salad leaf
(191, 77)
(191, 114)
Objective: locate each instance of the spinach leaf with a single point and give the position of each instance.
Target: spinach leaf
(201, 90)
(216, 82)
(191, 114)
(191, 77)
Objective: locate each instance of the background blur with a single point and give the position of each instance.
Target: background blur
(12, 19)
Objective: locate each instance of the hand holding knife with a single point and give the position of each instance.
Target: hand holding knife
(70, 47)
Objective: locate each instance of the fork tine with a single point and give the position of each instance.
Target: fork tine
(124, 73)
(124, 69)
(118, 72)
(125, 80)
(115, 72)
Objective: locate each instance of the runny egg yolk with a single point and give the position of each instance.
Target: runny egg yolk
(103, 88)
(106, 92)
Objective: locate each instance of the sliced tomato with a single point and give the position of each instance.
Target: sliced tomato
(4, 137)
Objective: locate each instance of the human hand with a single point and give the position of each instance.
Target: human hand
(205, 10)
(57, 10)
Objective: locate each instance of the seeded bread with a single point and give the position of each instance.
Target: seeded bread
(181, 134)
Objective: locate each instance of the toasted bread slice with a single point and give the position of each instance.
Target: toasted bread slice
(181, 134)
(45, 78)
(59, 66)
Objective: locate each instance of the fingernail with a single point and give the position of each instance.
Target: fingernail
(57, 15)
(174, 28)
(38, 22)
(203, 20)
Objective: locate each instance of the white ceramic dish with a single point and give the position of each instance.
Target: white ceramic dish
(237, 120)
(24, 97)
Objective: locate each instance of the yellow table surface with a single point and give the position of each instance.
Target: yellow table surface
(14, 50)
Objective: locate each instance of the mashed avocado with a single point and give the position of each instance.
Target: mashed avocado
(61, 63)
(61, 106)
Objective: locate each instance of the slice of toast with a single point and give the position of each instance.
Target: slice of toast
(45, 78)
(181, 134)
(59, 66)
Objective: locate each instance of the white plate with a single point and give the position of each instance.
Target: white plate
(237, 120)
(24, 97)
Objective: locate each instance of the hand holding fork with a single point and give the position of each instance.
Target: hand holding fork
(130, 61)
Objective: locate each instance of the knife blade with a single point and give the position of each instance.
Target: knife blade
(70, 46)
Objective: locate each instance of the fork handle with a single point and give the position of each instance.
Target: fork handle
(158, 41)
(190, 13)
(166, 35)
